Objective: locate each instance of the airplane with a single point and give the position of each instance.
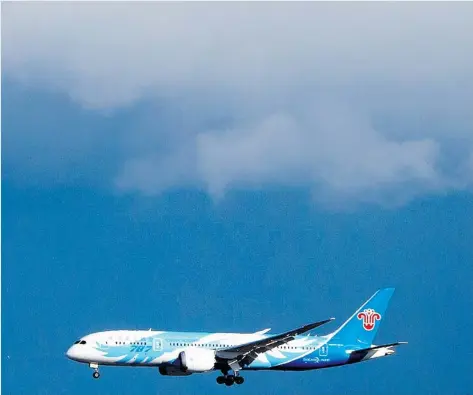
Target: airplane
(187, 353)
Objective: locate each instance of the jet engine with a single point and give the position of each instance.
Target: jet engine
(172, 371)
(194, 360)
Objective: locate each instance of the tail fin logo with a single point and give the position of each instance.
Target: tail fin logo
(369, 317)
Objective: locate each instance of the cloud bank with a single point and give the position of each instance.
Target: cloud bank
(364, 102)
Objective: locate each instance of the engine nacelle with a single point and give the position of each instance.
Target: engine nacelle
(196, 360)
(172, 371)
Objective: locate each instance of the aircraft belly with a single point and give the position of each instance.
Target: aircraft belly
(133, 360)
(297, 361)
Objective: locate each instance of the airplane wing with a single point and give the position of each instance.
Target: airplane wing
(262, 332)
(248, 352)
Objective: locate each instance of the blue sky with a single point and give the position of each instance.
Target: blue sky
(176, 191)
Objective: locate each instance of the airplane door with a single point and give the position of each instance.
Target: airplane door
(323, 350)
(157, 345)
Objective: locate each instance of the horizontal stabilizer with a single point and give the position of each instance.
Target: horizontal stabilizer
(372, 352)
(378, 347)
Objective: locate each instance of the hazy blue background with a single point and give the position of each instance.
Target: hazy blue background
(146, 185)
(77, 259)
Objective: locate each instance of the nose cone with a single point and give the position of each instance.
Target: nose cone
(73, 353)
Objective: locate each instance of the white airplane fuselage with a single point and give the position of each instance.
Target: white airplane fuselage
(186, 353)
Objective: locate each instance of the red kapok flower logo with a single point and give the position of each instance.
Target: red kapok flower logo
(369, 317)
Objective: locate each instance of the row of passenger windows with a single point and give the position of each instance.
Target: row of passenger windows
(296, 348)
(175, 344)
(198, 345)
(227, 345)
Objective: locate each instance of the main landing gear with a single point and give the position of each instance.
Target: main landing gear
(239, 380)
(229, 379)
(96, 373)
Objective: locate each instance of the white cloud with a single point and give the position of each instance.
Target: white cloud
(338, 154)
(109, 54)
(356, 100)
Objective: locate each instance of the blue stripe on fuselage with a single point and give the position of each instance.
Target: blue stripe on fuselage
(325, 355)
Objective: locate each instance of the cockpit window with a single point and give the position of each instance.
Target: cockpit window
(82, 342)
(77, 342)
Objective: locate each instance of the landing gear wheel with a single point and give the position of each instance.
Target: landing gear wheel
(239, 380)
(229, 380)
(220, 380)
(96, 374)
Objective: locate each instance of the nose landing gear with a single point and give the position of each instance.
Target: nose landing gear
(96, 373)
